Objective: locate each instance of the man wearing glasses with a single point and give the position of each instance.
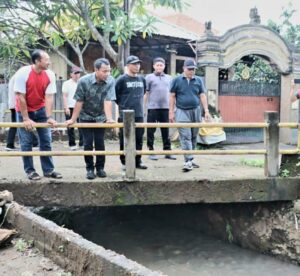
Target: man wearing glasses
(187, 90)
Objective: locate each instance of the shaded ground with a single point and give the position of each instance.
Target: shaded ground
(29, 262)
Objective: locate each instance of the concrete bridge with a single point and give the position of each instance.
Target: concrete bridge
(220, 178)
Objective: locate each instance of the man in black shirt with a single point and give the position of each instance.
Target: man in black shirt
(130, 90)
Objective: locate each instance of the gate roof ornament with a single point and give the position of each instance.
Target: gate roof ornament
(254, 16)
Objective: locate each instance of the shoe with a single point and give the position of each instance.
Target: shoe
(153, 157)
(141, 166)
(54, 174)
(10, 148)
(101, 173)
(171, 157)
(187, 166)
(90, 174)
(73, 147)
(33, 176)
(123, 167)
(195, 166)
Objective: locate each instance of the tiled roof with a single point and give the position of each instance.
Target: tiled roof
(179, 25)
(166, 28)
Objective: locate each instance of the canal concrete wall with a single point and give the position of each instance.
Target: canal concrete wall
(116, 193)
(69, 250)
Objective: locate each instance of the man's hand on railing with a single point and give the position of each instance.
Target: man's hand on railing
(110, 120)
(171, 117)
(28, 124)
(69, 122)
(51, 121)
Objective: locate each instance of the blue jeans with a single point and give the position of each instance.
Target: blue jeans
(26, 141)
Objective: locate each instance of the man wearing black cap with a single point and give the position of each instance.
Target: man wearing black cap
(68, 89)
(130, 90)
(187, 90)
(156, 102)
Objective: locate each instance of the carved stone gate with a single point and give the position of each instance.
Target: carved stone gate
(215, 52)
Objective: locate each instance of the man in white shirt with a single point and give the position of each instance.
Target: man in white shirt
(68, 89)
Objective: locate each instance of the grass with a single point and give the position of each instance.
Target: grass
(23, 245)
(257, 163)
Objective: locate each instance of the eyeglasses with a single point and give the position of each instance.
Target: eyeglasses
(191, 69)
(76, 72)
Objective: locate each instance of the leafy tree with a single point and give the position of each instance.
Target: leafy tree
(289, 31)
(54, 23)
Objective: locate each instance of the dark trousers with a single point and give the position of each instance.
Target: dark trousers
(71, 132)
(10, 141)
(93, 138)
(158, 116)
(139, 132)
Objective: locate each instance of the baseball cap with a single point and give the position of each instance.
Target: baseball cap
(76, 69)
(190, 64)
(133, 60)
(159, 59)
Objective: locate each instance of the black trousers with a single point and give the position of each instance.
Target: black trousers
(139, 133)
(71, 132)
(10, 141)
(158, 116)
(93, 138)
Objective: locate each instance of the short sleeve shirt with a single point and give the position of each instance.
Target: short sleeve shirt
(187, 91)
(35, 86)
(158, 87)
(69, 88)
(130, 94)
(93, 94)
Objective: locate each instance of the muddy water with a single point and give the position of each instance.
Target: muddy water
(149, 236)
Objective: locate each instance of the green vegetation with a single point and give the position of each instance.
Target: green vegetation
(229, 232)
(64, 274)
(255, 69)
(52, 24)
(289, 31)
(120, 198)
(258, 163)
(284, 173)
(23, 245)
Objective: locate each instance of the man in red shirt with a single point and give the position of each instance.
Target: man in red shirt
(35, 86)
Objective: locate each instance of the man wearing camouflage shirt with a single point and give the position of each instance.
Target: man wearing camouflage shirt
(94, 95)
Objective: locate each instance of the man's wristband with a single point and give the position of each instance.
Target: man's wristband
(49, 117)
(206, 110)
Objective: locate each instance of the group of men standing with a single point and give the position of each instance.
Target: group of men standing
(90, 98)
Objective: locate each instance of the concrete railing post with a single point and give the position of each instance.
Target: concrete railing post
(129, 144)
(272, 144)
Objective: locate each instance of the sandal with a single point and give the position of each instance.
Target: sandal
(33, 176)
(53, 174)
